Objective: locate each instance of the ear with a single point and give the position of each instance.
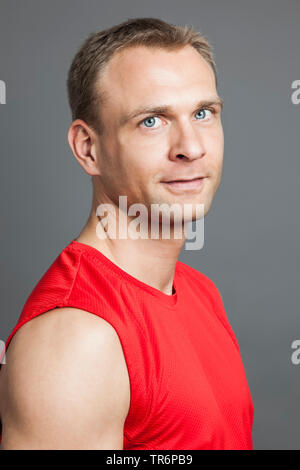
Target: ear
(83, 142)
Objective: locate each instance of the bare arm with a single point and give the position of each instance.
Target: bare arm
(65, 384)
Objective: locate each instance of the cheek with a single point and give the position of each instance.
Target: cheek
(142, 156)
(216, 144)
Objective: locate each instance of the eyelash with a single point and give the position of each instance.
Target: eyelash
(213, 111)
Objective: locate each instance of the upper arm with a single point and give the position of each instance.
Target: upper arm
(65, 384)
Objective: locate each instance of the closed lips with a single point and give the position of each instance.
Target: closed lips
(184, 180)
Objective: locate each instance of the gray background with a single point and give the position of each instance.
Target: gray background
(252, 230)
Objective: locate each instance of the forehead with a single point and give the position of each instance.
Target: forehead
(138, 73)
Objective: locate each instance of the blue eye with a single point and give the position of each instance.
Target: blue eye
(203, 112)
(151, 119)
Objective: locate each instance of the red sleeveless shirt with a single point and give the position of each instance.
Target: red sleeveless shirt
(188, 388)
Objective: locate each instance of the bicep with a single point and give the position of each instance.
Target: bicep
(65, 385)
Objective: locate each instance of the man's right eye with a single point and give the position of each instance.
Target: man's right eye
(149, 121)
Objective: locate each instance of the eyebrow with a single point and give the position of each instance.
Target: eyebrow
(152, 109)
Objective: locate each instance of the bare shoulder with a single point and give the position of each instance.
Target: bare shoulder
(65, 383)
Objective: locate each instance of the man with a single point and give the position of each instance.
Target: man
(156, 365)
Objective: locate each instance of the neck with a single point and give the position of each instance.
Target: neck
(150, 260)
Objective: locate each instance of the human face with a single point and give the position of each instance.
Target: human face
(179, 138)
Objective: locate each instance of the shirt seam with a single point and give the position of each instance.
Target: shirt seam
(68, 295)
(222, 320)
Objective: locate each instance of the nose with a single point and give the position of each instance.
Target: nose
(187, 142)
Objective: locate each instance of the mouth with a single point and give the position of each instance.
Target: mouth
(194, 184)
